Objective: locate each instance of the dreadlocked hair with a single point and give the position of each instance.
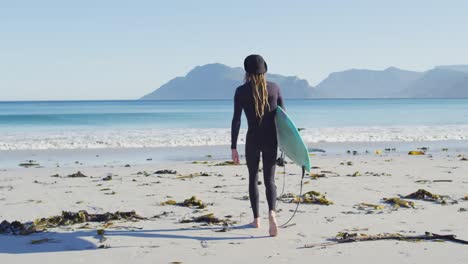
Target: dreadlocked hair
(259, 91)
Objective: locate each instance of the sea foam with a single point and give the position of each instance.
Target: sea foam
(141, 138)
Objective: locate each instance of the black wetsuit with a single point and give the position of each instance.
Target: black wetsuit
(261, 138)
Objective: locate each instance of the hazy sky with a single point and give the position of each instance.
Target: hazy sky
(71, 50)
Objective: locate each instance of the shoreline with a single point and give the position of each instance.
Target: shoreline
(157, 155)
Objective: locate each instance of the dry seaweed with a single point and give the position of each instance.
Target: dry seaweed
(225, 163)
(416, 152)
(345, 237)
(191, 202)
(207, 218)
(169, 202)
(465, 198)
(397, 202)
(77, 175)
(317, 175)
(311, 197)
(71, 218)
(17, 228)
(422, 194)
(368, 206)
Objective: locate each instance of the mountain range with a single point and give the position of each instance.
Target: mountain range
(218, 81)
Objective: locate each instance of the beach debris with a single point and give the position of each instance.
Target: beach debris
(194, 202)
(199, 162)
(378, 152)
(367, 206)
(463, 210)
(357, 173)
(207, 218)
(424, 149)
(416, 152)
(464, 159)
(444, 149)
(71, 218)
(442, 181)
(311, 197)
(127, 166)
(345, 237)
(163, 214)
(225, 163)
(193, 175)
(191, 202)
(144, 173)
(397, 202)
(29, 163)
(423, 181)
(317, 175)
(149, 159)
(107, 178)
(165, 172)
(349, 163)
(17, 228)
(169, 202)
(422, 194)
(78, 174)
(243, 198)
(465, 198)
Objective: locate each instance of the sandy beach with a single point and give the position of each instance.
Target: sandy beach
(345, 179)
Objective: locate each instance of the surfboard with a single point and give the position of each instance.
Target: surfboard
(290, 141)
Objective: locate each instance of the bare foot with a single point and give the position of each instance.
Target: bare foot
(273, 224)
(255, 223)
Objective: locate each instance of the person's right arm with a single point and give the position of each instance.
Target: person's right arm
(235, 127)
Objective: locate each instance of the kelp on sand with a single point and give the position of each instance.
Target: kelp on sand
(65, 219)
(397, 202)
(422, 194)
(311, 197)
(191, 202)
(208, 219)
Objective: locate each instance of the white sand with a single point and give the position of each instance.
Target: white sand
(164, 240)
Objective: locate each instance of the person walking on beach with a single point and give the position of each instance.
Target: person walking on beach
(259, 100)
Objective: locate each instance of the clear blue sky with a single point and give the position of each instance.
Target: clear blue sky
(72, 50)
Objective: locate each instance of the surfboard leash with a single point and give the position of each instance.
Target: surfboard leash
(298, 200)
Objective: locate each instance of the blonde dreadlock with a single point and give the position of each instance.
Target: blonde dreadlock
(259, 91)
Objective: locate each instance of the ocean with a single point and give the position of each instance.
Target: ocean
(136, 124)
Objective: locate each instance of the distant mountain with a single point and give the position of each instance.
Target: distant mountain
(218, 81)
(462, 68)
(440, 82)
(355, 83)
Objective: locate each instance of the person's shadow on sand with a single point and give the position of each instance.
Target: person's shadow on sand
(81, 240)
